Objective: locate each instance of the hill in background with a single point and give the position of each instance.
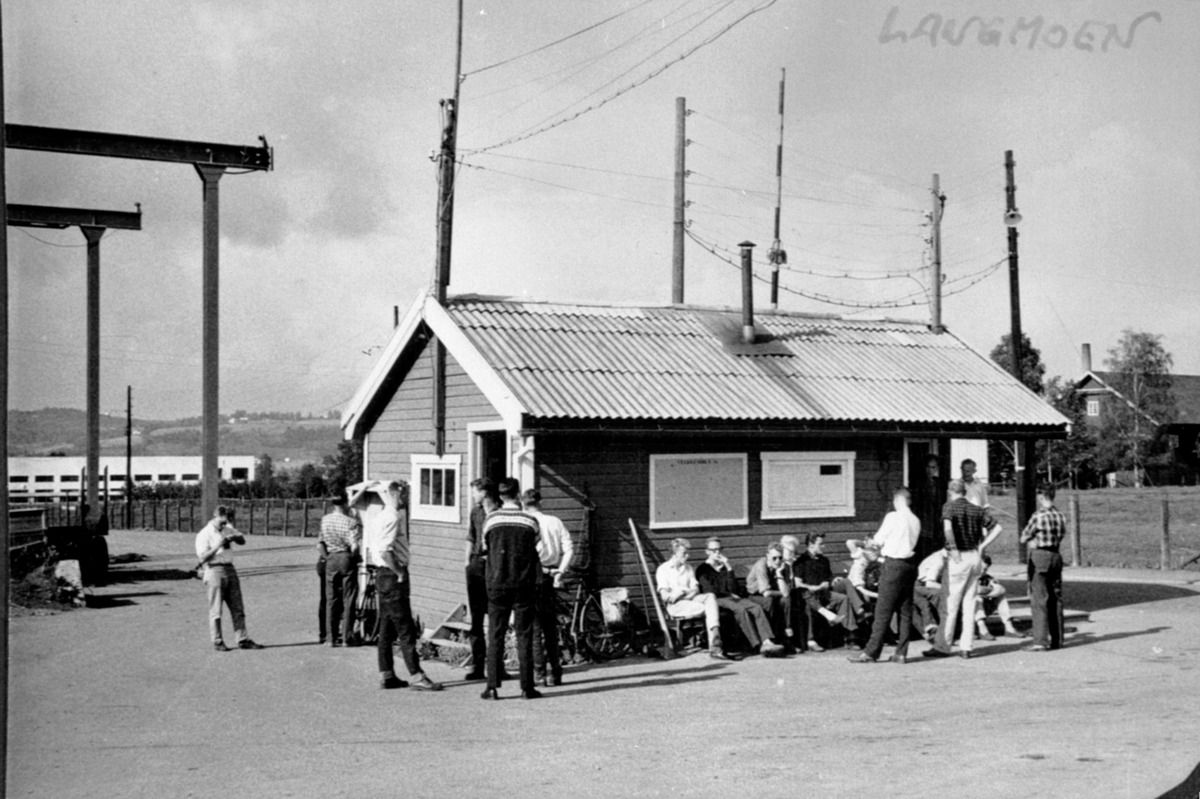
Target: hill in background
(286, 437)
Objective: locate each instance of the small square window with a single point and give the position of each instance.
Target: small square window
(436, 480)
(241, 473)
(1093, 407)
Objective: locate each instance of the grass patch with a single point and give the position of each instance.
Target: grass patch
(1120, 527)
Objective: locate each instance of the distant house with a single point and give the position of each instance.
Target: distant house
(1100, 396)
(53, 479)
(665, 416)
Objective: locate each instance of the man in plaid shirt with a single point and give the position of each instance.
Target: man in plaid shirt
(1044, 533)
(341, 535)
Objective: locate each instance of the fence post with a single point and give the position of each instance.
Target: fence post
(192, 515)
(267, 520)
(251, 517)
(304, 529)
(1165, 559)
(287, 506)
(1076, 554)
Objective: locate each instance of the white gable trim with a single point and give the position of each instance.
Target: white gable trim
(486, 379)
(425, 308)
(352, 416)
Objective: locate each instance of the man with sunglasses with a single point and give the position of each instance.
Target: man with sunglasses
(769, 585)
(716, 577)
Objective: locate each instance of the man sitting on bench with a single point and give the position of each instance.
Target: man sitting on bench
(716, 577)
(681, 595)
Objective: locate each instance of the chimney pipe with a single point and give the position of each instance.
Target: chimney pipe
(747, 292)
(1087, 358)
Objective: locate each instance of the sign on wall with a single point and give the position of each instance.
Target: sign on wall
(707, 490)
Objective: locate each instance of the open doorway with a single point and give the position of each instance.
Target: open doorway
(491, 454)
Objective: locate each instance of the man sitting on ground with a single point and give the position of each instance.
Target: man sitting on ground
(991, 599)
(814, 575)
(716, 577)
(682, 597)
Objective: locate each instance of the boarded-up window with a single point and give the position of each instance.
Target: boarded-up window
(698, 490)
(807, 485)
(436, 480)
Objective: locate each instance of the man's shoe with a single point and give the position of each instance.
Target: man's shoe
(901, 659)
(320, 639)
(335, 643)
(857, 647)
(965, 654)
(935, 653)
(532, 693)
(986, 637)
(717, 654)
(771, 650)
(1016, 634)
(248, 644)
(489, 693)
(554, 681)
(425, 684)
(220, 646)
(542, 681)
(863, 658)
(392, 682)
(814, 646)
(475, 675)
(1037, 648)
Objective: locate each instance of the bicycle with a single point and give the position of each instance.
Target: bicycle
(586, 631)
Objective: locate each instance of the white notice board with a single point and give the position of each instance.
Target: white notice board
(692, 490)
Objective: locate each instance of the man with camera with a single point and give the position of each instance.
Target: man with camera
(221, 579)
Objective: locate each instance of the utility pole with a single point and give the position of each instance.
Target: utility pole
(1025, 471)
(680, 200)
(935, 278)
(776, 255)
(4, 538)
(445, 226)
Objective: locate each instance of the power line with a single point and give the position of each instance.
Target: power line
(557, 41)
(564, 188)
(630, 87)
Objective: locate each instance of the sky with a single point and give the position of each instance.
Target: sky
(565, 187)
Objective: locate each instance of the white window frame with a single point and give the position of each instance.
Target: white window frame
(451, 514)
(846, 509)
(1093, 407)
(742, 519)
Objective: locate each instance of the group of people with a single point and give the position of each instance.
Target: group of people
(904, 577)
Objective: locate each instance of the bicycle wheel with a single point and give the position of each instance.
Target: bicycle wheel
(604, 641)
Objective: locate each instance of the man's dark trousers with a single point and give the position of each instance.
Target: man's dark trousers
(546, 650)
(1045, 597)
(755, 627)
(518, 602)
(323, 628)
(778, 610)
(896, 582)
(477, 604)
(395, 620)
(341, 589)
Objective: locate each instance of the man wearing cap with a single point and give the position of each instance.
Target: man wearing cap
(555, 550)
(964, 524)
(341, 535)
(897, 541)
(387, 546)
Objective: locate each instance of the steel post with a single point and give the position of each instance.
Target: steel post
(210, 350)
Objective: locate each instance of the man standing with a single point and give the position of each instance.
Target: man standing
(387, 546)
(897, 540)
(322, 624)
(716, 577)
(929, 497)
(483, 492)
(1043, 533)
(964, 524)
(341, 535)
(680, 593)
(221, 579)
(769, 586)
(555, 550)
(974, 490)
(513, 571)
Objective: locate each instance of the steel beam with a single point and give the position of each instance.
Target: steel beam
(142, 148)
(47, 216)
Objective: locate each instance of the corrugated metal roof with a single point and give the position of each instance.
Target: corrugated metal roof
(565, 361)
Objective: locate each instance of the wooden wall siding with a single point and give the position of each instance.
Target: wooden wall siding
(405, 428)
(613, 473)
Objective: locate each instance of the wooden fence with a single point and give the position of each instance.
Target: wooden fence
(288, 517)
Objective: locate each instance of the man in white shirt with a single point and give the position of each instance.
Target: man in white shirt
(929, 595)
(387, 547)
(681, 595)
(976, 490)
(897, 542)
(555, 550)
(221, 579)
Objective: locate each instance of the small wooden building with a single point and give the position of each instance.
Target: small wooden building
(665, 416)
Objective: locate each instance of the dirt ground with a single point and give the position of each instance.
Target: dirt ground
(127, 698)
